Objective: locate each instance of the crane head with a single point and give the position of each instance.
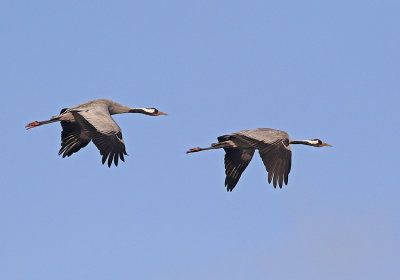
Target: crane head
(153, 112)
(319, 143)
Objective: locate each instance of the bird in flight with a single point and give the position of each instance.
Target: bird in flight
(274, 149)
(92, 121)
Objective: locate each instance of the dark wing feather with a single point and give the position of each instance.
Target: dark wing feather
(276, 155)
(236, 161)
(277, 159)
(73, 138)
(104, 132)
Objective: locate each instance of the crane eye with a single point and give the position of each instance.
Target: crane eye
(155, 111)
(319, 142)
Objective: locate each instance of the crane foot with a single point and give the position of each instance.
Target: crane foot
(32, 125)
(192, 150)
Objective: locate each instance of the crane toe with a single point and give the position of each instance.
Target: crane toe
(192, 150)
(32, 125)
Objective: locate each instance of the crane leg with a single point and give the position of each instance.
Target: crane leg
(213, 146)
(36, 123)
(193, 150)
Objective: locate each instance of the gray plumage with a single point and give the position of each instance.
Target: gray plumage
(92, 121)
(272, 145)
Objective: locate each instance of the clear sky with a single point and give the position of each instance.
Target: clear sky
(316, 69)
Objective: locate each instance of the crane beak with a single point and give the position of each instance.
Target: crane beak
(161, 113)
(325, 144)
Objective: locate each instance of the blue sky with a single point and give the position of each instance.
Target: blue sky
(316, 69)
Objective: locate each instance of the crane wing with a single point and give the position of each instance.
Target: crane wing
(236, 161)
(104, 132)
(277, 159)
(274, 149)
(73, 138)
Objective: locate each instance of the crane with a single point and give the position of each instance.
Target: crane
(92, 121)
(273, 146)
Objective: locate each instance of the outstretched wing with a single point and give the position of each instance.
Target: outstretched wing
(274, 149)
(104, 132)
(73, 138)
(277, 159)
(236, 161)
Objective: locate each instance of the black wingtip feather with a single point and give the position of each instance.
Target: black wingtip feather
(110, 159)
(230, 183)
(116, 159)
(286, 179)
(269, 177)
(280, 181)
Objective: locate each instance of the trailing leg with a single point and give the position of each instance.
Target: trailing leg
(213, 146)
(36, 123)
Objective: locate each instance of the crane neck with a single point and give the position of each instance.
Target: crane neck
(303, 142)
(146, 111)
(120, 109)
(116, 108)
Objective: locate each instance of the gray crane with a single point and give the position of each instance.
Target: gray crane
(274, 149)
(92, 121)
